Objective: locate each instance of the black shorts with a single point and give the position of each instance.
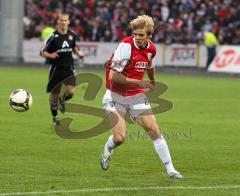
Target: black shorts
(59, 76)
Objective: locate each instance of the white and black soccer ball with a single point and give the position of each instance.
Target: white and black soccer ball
(20, 100)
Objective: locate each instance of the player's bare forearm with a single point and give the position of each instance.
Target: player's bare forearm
(44, 54)
(119, 78)
(79, 53)
(151, 75)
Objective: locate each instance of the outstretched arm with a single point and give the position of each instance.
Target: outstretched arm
(119, 78)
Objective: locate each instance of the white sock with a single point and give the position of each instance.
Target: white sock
(110, 144)
(161, 148)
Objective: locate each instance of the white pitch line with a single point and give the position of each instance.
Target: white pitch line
(124, 189)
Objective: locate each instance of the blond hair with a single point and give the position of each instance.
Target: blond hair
(143, 21)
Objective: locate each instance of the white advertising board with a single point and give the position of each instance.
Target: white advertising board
(227, 60)
(181, 55)
(99, 52)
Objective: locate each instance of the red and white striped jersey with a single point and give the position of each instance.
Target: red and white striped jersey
(132, 62)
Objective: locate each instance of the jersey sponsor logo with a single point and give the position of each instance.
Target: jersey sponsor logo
(65, 44)
(141, 66)
(65, 50)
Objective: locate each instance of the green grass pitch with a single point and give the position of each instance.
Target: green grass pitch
(202, 132)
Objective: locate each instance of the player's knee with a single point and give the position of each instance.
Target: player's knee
(119, 138)
(153, 127)
(153, 131)
(71, 91)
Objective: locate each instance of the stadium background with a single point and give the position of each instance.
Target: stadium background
(202, 128)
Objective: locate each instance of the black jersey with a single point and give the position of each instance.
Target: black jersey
(63, 45)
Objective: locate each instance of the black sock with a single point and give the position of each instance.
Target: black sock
(67, 96)
(53, 108)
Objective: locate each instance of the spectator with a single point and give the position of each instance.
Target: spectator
(211, 42)
(90, 18)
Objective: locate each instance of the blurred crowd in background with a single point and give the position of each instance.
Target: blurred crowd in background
(176, 21)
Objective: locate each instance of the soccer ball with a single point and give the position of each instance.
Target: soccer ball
(20, 100)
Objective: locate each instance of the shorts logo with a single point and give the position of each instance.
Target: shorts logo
(146, 101)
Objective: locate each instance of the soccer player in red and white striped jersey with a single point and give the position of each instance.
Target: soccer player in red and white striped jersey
(126, 89)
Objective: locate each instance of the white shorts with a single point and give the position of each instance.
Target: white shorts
(133, 105)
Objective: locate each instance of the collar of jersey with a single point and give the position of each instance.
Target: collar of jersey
(134, 41)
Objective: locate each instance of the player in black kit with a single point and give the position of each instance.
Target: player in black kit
(58, 50)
